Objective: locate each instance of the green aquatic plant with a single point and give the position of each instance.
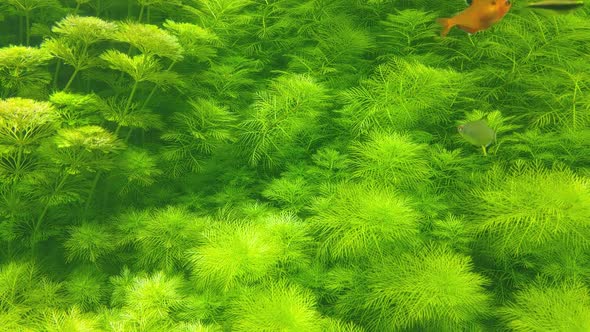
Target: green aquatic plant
(570, 108)
(561, 263)
(150, 40)
(234, 256)
(152, 299)
(16, 281)
(196, 134)
(146, 7)
(89, 242)
(408, 32)
(74, 152)
(227, 18)
(130, 115)
(86, 287)
(297, 244)
(138, 170)
(197, 42)
(22, 70)
(293, 194)
(549, 307)
(287, 115)
(335, 47)
(392, 160)
(290, 165)
(278, 307)
(141, 68)
(25, 8)
(155, 45)
(432, 288)
(402, 94)
(447, 169)
(24, 125)
(163, 236)
(73, 319)
(73, 46)
(518, 218)
(452, 231)
(231, 79)
(355, 222)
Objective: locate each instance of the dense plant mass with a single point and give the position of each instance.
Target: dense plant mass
(291, 165)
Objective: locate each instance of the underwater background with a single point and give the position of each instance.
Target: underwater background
(292, 165)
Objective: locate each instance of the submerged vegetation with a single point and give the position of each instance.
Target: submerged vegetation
(291, 165)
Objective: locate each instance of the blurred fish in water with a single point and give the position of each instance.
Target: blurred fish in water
(558, 6)
(480, 15)
(478, 133)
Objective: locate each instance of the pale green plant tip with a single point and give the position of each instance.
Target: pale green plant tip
(554, 208)
(546, 307)
(88, 30)
(391, 160)
(150, 40)
(89, 242)
(445, 292)
(233, 257)
(278, 306)
(357, 222)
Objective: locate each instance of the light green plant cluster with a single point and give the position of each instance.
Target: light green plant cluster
(291, 165)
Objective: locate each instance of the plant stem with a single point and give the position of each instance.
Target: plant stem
(140, 14)
(27, 28)
(128, 105)
(128, 135)
(92, 190)
(131, 95)
(71, 79)
(83, 55)
(56, 74)
(147, 100)
(576, 87)
(46, 208)
(77, 8)
(20, 29)
(19, 159)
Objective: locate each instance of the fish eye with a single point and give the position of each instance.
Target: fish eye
(507, 2)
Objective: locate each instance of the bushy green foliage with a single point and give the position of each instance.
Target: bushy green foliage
(86, 286)
(288, 113)
(234, 255)
(546, 307)
(391, 160)
(291, 165)
(402, 94)
(355, 222)
(161, 237)
(533, 207)
(433, 287)
(21, 70)
(89, 242)
(196, 135)
(277, 307)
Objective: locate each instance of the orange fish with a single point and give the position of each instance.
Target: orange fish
(480, 15)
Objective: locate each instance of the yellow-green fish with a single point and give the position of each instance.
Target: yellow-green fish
(557, 5)
(478, 133)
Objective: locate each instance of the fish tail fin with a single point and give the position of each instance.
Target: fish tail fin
(446, 24)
